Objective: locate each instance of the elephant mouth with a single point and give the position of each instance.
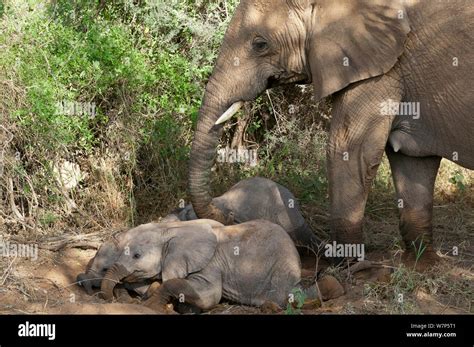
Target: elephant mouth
(272, 82)
(133, 277)
(140, 276)
(285, 78)
(89, 281)
(118, 274)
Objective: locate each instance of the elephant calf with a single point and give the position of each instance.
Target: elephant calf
(108, 254)
(259, 198)
(199, 264)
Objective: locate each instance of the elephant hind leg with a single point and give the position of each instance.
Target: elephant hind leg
(200, 294)
(414, 180)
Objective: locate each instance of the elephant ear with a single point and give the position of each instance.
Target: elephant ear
(355, 40)
(118, 237)
(189, 250)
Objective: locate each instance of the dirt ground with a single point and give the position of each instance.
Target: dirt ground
(47, 286)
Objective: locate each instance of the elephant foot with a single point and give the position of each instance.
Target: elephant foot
(344, 232)
(420, 261)
(348, 245)
(122, 295)
(153, 287)
(347, 232)
(159, 301)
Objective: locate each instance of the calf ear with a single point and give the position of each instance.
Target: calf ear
(189, 249)
(354, 40)
(118, 237)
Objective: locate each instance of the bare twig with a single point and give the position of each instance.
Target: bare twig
(274, 111)
(7, 271)
(15, 211)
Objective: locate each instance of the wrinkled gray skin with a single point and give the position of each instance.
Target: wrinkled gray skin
(365, 53)
(261, 198)
(249, 263)
(108, 254)
(98, 266)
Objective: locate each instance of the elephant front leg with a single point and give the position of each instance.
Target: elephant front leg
(414, 180)
(123, 296)
(358, 135)
(200, 293)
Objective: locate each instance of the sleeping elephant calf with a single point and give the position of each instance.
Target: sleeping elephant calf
(251, 263)
(260, 198)
(108, 254)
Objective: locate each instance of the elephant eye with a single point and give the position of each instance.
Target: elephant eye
(105, 269)
(260, 44)
(137, 256)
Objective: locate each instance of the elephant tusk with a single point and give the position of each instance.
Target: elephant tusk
(230, 112)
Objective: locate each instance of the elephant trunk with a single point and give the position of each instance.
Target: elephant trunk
(113, 276)
(203, 153)
(85, 280)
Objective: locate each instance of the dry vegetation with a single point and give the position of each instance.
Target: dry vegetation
(129, 162)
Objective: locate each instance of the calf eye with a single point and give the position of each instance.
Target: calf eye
(137, 256)
(105, 269)
(260, 44)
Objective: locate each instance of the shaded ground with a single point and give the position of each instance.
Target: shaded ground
(48, 286)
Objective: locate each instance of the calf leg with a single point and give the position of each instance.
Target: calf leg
(414, 180)
(123, 296)
(195, 290)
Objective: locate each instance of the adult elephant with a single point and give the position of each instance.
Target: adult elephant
(370, 54)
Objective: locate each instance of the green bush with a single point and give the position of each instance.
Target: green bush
(143, 66)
